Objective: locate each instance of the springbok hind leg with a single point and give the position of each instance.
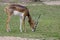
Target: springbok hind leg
(7, 24)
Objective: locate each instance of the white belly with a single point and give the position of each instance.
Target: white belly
(18, 13)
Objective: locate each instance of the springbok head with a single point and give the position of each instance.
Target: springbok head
(35, 23)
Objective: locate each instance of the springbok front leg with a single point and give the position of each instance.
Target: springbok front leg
(22, 21)
(7, 24)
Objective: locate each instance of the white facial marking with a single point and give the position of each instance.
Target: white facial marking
(32, 30)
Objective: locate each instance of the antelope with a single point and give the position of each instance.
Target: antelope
(22, 12)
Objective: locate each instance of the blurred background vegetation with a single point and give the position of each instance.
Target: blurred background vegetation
(26, 0)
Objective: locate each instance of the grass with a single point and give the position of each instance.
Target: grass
(49, 23)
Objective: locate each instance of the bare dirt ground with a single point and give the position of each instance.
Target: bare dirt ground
(15, 38)
(19, 38)
(52, 3)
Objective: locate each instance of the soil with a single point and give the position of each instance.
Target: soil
(15, 38)
(52, 3)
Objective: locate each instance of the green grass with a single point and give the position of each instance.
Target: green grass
(49, 23)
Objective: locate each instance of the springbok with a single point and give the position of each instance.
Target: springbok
(23, 12)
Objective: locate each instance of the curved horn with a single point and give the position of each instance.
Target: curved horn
(38, 19)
